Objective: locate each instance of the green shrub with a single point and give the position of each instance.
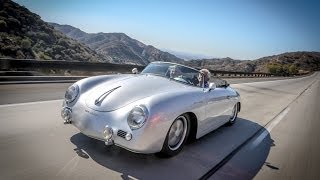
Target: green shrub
(26, 44)
(57, 48)
(43, 36)
(3, 25)
(293, 69)
(3, 13)
(48, 51)
(13, 23)
(20, 55)
(63, 42)
(282, 70)
(43, 56)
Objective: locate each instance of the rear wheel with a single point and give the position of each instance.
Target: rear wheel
(234, 115)
(176, 137)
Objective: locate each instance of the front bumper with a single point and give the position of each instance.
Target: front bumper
(148, 139)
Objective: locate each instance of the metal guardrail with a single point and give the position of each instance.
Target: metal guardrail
(31, 64)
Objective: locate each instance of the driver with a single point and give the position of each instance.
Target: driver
(175, 72)
(204, 76)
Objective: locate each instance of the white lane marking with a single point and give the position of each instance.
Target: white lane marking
(68, 164)
(30, 103)
(258, 82)
(131, 177)
(269, 128)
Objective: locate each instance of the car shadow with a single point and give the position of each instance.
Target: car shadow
(248, 161)
(192, 162)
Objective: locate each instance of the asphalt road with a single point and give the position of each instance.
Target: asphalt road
(286, 148)
(34, 144)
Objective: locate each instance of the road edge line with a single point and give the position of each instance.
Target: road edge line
(260, 130)
(29, 103)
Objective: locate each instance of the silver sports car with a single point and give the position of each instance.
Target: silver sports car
(155, 111)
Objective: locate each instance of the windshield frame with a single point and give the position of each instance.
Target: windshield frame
(175, 64)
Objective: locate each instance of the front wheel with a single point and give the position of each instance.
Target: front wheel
(234, 115)
(176, 137)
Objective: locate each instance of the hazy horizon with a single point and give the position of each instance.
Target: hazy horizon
(244, 30)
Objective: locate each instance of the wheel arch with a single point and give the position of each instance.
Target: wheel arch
(193, 126)
(239, 106)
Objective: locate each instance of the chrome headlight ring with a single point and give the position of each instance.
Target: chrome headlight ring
(72, 93)
(137, 117)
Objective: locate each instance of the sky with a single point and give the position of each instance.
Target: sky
(240, 29)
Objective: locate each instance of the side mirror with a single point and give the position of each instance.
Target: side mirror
(134, 71)
(225, 83)
(212, 86)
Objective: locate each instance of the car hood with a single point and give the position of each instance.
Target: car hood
(114, 94)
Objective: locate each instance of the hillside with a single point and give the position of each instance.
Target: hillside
(118, 47)
(224, 64)
(280, 64)
(24, 35)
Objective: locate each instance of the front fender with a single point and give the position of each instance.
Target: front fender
(165, 108)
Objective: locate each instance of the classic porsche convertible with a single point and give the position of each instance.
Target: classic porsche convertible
(155, 111)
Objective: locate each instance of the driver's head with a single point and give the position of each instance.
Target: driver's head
(204, 75)
(175, 71)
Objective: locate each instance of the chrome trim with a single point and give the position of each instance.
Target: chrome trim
(104, 95)
(146, 114)
(77, 90)
(176, 64)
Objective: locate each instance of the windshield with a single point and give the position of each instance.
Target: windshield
(174, 71)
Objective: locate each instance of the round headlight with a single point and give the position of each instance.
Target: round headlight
(107, 132)
(66, 114)
(137, 117)
(72, 93)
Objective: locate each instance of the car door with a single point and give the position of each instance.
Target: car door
(217, 108)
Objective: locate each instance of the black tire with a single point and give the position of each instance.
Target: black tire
(169, 151)
(234, 115)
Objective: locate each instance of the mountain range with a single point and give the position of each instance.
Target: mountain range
(301, 61)
(120, 48)
(117, 47)
(24, 35)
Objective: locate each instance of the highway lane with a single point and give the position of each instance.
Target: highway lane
(22, 93)
(287, 149)
(296, 143)
(34, 144)
(31, 92)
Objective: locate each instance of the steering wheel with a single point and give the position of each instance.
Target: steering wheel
(180, 79)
